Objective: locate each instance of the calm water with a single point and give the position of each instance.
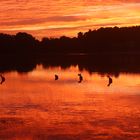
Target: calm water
(34, 106)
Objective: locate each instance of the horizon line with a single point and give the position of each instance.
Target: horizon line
(73, 36)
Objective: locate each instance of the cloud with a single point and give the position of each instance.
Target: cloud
(61, 15)
(43, 20)
(66, 18)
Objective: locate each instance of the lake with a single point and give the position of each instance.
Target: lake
(34, 106)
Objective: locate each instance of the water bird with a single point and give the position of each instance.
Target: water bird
(56, 77)
(109, 80)
(2, 79)
(80, 78)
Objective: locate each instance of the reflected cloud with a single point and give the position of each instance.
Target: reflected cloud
(52, 110)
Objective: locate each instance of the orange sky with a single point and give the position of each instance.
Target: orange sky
(66, 17)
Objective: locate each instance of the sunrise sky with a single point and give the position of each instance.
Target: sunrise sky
(66, 17)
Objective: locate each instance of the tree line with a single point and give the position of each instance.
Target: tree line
(102, 40)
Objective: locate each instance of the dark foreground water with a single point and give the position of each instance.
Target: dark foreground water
(33, 106)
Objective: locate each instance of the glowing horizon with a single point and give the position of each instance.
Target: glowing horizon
(61, 17)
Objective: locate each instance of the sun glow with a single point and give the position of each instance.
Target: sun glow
(56, 18)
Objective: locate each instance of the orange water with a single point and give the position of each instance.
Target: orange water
(35, 106)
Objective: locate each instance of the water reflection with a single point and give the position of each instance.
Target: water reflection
(34, 106)
(112, 64)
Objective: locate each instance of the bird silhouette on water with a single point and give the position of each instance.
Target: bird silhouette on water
(80, 78)
(2, 79)
(56, 77)
(109, 80)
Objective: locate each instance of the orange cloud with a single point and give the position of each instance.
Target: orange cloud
(39, 17)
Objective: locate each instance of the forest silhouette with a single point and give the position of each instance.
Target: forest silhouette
(103, 40)
(110, 49)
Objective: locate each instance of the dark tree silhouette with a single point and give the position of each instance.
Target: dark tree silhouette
(103, 40)
(110, 49)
